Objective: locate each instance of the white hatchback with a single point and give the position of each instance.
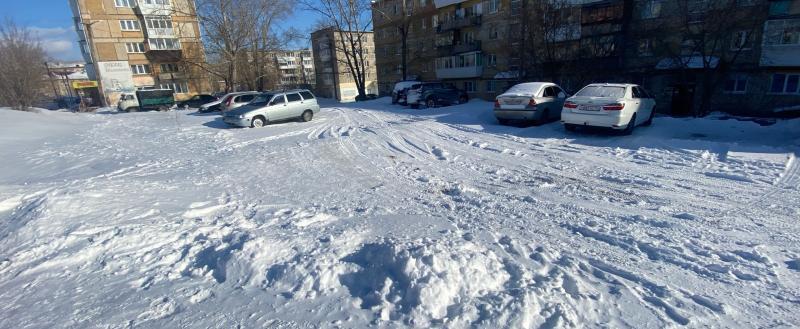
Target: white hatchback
(609, 105)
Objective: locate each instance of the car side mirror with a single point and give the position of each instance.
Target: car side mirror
(562, 95)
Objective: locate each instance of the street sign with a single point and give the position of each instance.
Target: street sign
(84, 84)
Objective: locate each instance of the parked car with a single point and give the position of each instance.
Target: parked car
(216, 105)
(196, 101)
(610, 105)
(399, 91)
(237, 99)
(274, 106)
(366, 97)
(434, 94)
(532, 101)
(147, 99)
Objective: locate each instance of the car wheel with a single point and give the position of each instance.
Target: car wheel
(307, 116)
(650, 119)
(631, 126)
(570, 127)
(258, 122)
(430, 103)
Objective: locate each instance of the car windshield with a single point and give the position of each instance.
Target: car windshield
(262, 100)
(602, 91)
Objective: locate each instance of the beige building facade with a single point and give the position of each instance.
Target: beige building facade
(134, 44)
(333, 77)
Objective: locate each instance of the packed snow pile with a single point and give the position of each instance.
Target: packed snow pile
(373, 215)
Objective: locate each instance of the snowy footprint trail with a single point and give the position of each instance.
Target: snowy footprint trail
(374, 215)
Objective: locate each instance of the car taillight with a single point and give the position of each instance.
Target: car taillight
(496, 104)
(570, 105)
(614, 107)
(532, 102)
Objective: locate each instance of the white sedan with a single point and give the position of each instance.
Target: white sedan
(609, 105)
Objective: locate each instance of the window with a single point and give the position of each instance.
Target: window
(293, 98)
(494, 6)
(651, 9)
(491, 86)
(601, 91)
(736, 84)
(782, 32)
(739, 40)
(129, 25)
(645, 47)
(177, 87)
(125, 3)
(638, 93)
(549, 92)
(784, 83)
(164, 44)
(469, 86)
(278, 100)
(307, 95)
(158, 23)
(134, 47)
(491, 59)
(156, 2)
(140, 69)
(169, 68)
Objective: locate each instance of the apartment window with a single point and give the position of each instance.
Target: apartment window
(169, 68)
(422, 3)
(739, 40)
(645, 47)
(469, 86)
(140, 69)
(135, 47)
(491, 59)
(782, 32)
(158, 23)
(177, 87)
(491, 86)
(651, 9)
(779, 7)
(156, 2)
(125, 3)
(129, 25)
(784, 83)
(494, 6)
(164, 44)
(736, 84)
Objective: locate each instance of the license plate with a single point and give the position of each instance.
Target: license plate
(591, 107)
(513, 102)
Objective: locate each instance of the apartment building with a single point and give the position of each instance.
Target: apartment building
(333, 77)
(295, 69)
(739, 56)
(133, 44)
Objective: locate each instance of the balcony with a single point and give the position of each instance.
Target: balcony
(779, 49)
(446, 50)
(459, 72)
(160, 32)
(459, 22)
(445, 3)
(153, 9)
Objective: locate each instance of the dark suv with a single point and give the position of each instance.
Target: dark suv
(434, 94)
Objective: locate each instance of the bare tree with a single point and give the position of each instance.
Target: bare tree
(22, 69)
(352, 22)
(402, 19)
(548, 36)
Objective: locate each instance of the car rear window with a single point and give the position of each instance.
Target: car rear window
(602, 91)
(307, 95)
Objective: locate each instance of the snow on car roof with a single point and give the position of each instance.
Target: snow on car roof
(527, 88)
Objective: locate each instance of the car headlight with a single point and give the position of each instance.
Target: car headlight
(241, 116)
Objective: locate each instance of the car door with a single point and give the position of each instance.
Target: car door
(278, 109)
(638, 98)
(649, 101)
(295, 105)
(548, 101)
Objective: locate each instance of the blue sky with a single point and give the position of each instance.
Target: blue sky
(51, 20)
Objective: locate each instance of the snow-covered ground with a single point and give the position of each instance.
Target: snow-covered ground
(375, 215)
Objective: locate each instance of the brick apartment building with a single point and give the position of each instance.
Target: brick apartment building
(333, 78)
(131, 44)
(295, 69)
(739, 56)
